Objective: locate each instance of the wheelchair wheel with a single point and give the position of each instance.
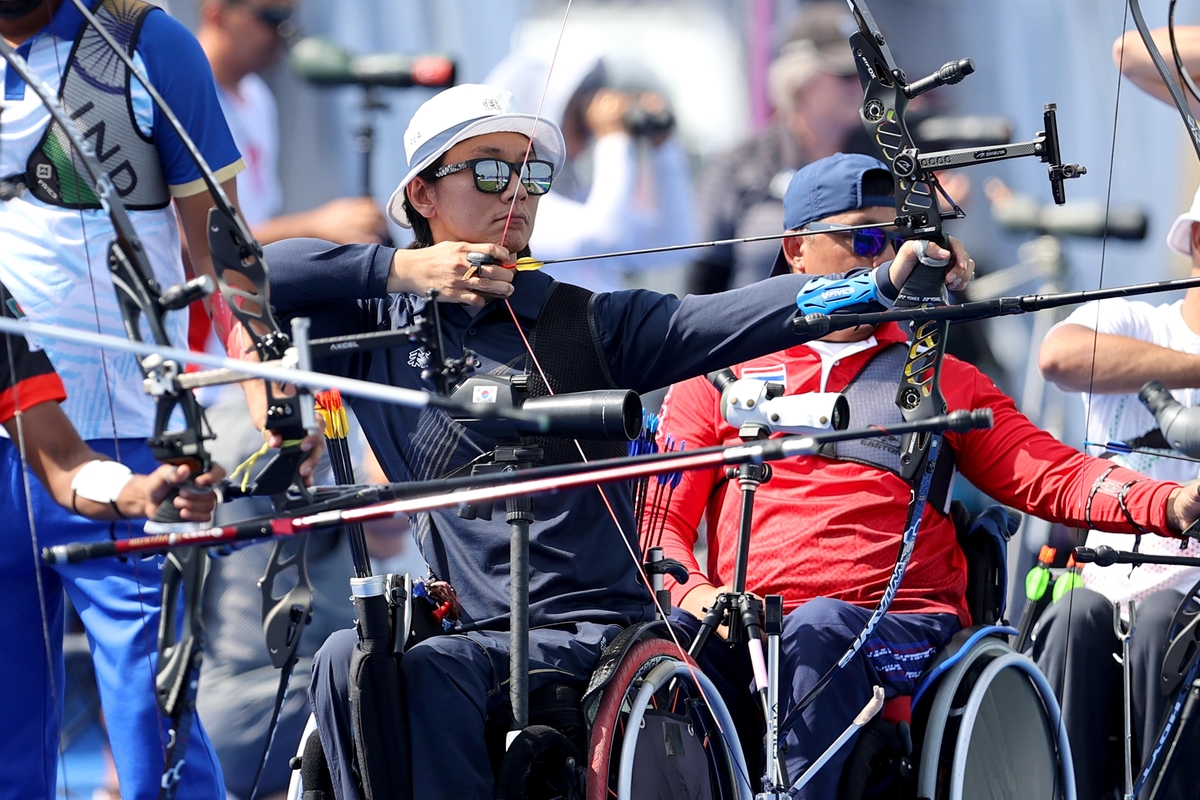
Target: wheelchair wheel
(993, 732)
(660, 730)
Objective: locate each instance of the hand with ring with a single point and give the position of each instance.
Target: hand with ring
(462, 272)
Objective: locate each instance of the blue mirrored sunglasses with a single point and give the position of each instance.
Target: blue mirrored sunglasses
(866, 242)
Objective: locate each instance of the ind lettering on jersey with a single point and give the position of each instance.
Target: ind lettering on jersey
(94, 129)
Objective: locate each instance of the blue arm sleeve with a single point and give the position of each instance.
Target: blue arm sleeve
(308, 272)
(653, 340)
(179, 70)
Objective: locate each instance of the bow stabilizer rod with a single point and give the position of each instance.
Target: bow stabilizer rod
(487, 488)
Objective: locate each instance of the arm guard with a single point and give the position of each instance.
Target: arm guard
(827, 294)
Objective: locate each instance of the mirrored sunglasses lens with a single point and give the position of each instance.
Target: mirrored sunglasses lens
(491, 176)
(536, 177)
(869, 242)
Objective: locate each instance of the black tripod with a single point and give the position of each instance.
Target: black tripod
(518, 512)
(743, 612)
(738, 609)
(364, 141)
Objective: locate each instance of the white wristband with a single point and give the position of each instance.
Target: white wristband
(101, 481)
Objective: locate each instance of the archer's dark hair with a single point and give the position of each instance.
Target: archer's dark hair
(422, 235)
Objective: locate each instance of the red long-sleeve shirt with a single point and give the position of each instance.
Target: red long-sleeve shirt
(832, 528)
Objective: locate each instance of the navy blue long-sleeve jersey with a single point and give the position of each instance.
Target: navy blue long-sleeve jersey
(580, 568)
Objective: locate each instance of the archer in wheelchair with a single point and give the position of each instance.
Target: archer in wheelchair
(827, 529)
(464, 147)
(1107, 350)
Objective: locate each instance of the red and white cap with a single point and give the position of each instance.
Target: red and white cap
(462, 112)
(1179, 239)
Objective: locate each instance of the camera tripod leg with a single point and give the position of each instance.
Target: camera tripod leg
(715, 615)
(1125, 633)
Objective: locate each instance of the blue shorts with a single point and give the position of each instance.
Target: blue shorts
(119, 603)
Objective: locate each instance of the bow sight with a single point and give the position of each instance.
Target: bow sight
(887, 92)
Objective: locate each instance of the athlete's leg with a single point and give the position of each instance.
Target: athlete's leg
(329, 694)
(1074, 644)
(119, 603)
(31, 669)
(1146, 650)
(815, 636)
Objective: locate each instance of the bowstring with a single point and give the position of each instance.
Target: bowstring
(1092, 370)
(684, 658)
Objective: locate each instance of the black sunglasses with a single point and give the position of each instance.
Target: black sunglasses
(866, 242)
(276, 16)
(492, 174)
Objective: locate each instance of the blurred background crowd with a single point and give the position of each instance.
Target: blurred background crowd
(685, 120)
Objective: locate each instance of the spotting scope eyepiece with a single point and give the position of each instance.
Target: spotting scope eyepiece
(1179, 424)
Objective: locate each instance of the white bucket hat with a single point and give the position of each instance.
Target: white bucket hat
(461, 112)
(1179, 239)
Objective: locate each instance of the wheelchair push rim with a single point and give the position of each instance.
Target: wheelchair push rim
(653, 676)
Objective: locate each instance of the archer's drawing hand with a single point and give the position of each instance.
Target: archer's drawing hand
(957, 277)
(445, 267)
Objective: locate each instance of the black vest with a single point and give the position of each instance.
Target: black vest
(567, 345)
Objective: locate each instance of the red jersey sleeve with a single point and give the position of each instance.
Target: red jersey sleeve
(686, 416)
(1022, 466)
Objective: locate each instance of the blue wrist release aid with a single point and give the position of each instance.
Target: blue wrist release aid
(825, 295)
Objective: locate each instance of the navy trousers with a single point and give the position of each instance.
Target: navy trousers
(815, 636)
(453, 684)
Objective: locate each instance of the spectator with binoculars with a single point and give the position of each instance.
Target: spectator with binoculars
(638, 193)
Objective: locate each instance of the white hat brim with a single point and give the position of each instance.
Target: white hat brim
(548, 145)
(1179, 239)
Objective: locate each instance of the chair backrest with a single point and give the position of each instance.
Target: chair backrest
(984, 541)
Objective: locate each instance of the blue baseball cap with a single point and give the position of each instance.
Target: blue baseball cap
(827, 187)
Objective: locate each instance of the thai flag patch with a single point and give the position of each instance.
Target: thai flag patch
(772, 374)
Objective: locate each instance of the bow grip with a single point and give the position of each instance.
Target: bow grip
(925, 286)
(167, 517)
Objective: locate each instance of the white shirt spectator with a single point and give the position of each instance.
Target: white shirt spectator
(1122, 417)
